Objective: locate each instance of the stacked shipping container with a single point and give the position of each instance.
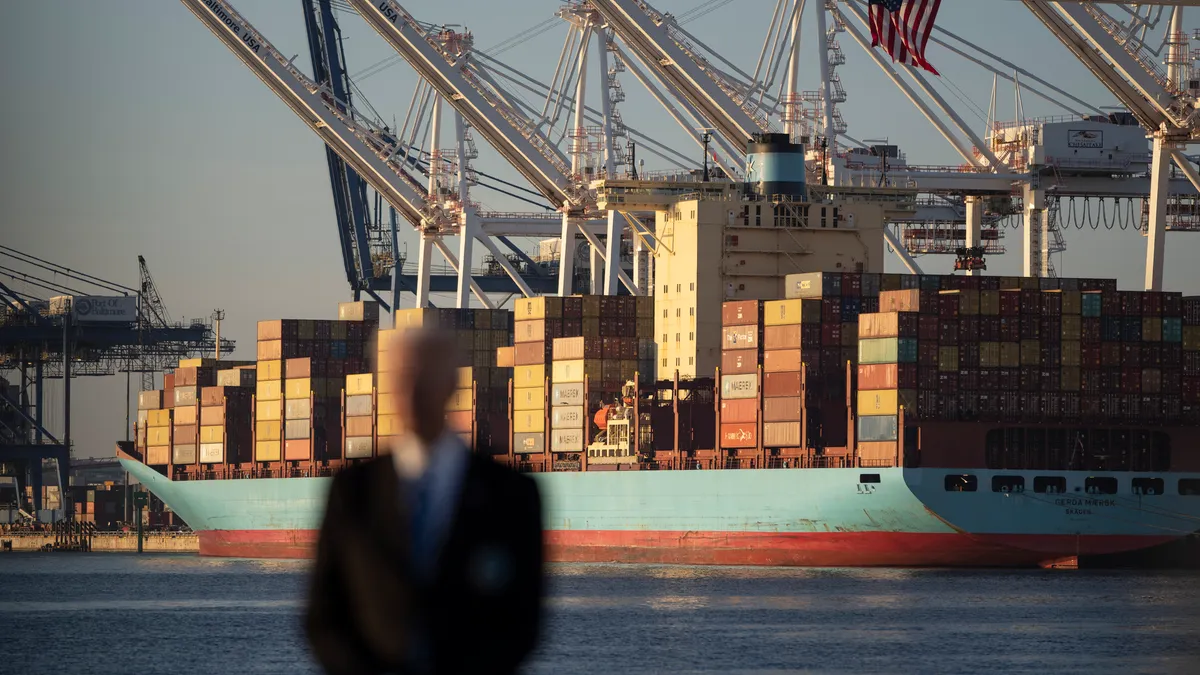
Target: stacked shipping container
(154, 427)
(537, 323)
(741, 358)
(360, 406)
(225, 413)
(792, 344)
(185, 448)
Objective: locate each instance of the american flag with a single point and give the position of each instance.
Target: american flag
(903, 27)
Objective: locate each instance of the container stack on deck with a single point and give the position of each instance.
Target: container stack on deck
(888, 350)
(312, 426)
(741, 358)
(189, 380)
(791, 356)
(360, 406)
(225, 413)
(537, 323)
(154, 428)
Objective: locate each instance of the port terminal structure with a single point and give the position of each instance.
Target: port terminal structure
(1012, 171)
(50, 328)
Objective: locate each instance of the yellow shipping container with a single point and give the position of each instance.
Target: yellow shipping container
(1010, 354)
(388, 425)
(1191, 339)
(1072, 303)
(968, 302)
(357, 385)
(384, 339)
(989, 303)
(574, 371)
(465, 377)
(885, 401)
(791, 312)
(1151, 329)
(1070, 379)
(385, 403)
(158, 436)
(385, 383)
(266, 451)
(270, 370)
(591, 306)
(529, 422)
(1072, 327)
(212, 434)
(529, 398)
(268, 410)
(989, 354)
(415, 318)
(544, 307)
(268, 390)
(299, 388)
(162, 418)
(530, 376)
(268, 430)
(1072, 353)
(460, 400)
(1031, 354)
(948, 359)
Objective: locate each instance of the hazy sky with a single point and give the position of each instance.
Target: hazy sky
(128, 128)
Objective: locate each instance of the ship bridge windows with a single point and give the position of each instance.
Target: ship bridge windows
(1100, 485)
(961, 483)
(1148, 486)
(1189, 487)
(1054, 485)
(1008, 484)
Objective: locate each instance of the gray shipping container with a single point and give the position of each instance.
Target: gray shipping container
(237, 377)
(364, 310)
(812, 285)
(296, 430)
(566, 440)
(739, 386)
(184, 454)
(359, 406)
(567, 394)
(298, 409)
(875, 428)
(150, 399)
(529, 443)
(359, 447)
(567, 417)
(212, 453)
(186, 396)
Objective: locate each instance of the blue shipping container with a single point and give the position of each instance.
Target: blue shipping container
(1091, 306)
(1172, 329)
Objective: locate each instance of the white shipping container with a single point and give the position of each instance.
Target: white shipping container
(212, 453)
(567, 417)
(739, 386)
(566, 440)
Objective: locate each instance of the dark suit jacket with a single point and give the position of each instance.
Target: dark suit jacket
(480, 611)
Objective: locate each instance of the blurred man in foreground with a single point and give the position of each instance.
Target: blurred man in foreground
(429, 559)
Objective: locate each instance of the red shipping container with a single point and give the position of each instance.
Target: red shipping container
(968, 329)
(778, 385)
(1151, 354)
(785, 409)
(741, 313)
(1172, 304)
(1131, 380)
(1131, 355)
(831, 310)
(1171, 355)
(1029, 378)
(831, 361)
(1031, 406)
(739, 435)
(989, 379)
(810, 336)
(968, 379)
(1010, 303)
(1010, 329)
(1031, 301)
(927, 354)
(782, 360)
(1030, 328)
(1051, 328)
(1069, 406)
(1152, 303)
(1110, 354)
(1050, 355)
(1090, 356)
(947, 383)
(1010, 379)
(927, 378)
(739, 411)
(927, 327)
(1051, 303)
(831, 334)
(948, 306)
(1191, 365)
(851, 284)
(739, 361)
(989, 328)
(968, 355)
(1050, 380)
(948, 332)
(887, 376)
(1131, 302)
(1171, 382)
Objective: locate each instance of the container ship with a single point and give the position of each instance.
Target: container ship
(858, 419)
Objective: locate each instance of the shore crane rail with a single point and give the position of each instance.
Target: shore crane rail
(363, 145)
(478, 99)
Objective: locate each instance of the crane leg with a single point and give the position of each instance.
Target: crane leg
(596, 272)
(1035, 206)
(424, 263)
(566, 256)
(612, 254)
(974, 223)
(640, 273)
(466, 239)
(1156, 239)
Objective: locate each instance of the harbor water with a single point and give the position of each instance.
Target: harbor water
(123, 613)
